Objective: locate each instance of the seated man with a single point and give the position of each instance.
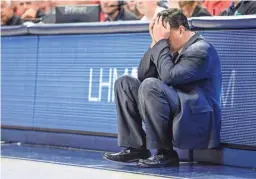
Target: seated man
(177, 95)
(114, 11)
(240, 8)
(193, 9)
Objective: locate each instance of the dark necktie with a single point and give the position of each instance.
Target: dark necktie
(175, 56)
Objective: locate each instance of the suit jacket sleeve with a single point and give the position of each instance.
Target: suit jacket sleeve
(252, 9)
(191, 67)
(146, 67)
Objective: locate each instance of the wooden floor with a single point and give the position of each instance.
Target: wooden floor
(17, 169)
(44, 162)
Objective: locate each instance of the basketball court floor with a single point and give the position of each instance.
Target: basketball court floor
(42, 162)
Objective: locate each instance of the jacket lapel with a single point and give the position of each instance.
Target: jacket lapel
(193, 39)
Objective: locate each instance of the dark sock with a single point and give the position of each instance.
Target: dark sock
(137, 149)
(165, 151)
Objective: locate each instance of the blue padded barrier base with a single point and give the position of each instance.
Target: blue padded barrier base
(232, 157)
(67, 140)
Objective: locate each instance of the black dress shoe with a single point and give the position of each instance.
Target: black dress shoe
(160, 159)
(128, 155)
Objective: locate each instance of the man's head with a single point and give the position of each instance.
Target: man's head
(188, 7)
(147, 6)
(179, 28)
(109, 7)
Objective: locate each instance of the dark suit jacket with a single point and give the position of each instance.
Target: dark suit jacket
(196, 76)
(124, 15)
(200, 11)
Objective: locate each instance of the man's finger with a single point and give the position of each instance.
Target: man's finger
(163, 23)
(158, 19)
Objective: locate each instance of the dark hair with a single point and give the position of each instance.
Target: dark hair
(189, 3)
(174, 17)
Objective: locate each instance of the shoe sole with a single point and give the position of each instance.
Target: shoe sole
(142, 165)
(129, 161)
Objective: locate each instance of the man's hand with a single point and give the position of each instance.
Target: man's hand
(161, 30)
(151, 26)
(29, 14)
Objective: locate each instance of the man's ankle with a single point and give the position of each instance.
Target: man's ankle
(165, 151)
(137, 149)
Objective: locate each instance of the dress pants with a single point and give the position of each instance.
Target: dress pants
(152, 102)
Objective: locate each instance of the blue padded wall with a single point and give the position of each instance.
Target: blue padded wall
(19, 58)
(68, 92)
(66, 97)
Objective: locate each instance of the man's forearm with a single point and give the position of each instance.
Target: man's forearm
(146, 67)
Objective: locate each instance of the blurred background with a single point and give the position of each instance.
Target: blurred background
(15, 12)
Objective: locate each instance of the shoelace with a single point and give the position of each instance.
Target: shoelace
(157, 155)
(127, 150)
